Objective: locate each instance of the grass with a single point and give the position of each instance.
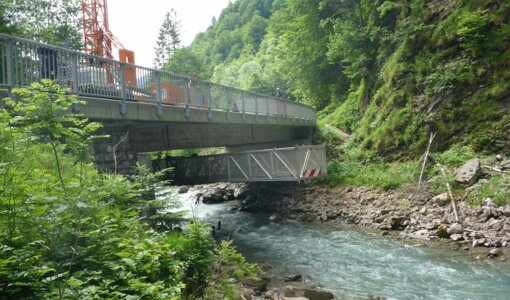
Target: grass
(362, 168)
(497, 188)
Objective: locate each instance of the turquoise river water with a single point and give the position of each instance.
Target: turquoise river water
(356, 263)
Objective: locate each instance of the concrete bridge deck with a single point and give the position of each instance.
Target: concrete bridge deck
(157, 110)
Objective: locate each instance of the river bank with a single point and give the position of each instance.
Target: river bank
(410, 213)
(407, 212)
(354, 262)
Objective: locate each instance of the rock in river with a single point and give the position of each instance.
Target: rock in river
(455, 228)
(183, 189)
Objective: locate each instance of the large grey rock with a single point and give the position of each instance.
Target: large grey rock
(495, 252)
(456, 237)
(455, 228)
(505, 165)
(469, 172)
(440, 200)
(309, 293)
(183, 189)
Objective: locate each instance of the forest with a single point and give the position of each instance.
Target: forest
(387, 72)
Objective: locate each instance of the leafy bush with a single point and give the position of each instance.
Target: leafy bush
(497, 188)
(456, 156)
(473, 30)
(69, 232)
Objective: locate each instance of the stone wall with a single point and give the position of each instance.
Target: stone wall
(125, 154)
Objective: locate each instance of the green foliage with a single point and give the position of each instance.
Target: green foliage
(55, 22)
(69, 232)
(496, 188)
(362, 168)
(390, 72)
(449, 77)
(184, 61)
(473, 30)
(229, 265)
(456, 156)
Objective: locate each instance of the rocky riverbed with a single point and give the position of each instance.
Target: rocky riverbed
(405, 214)
(409, 212)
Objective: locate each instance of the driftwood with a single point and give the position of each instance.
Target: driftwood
(114, 150)
(432, 136)
(450, 194)
(495, 169)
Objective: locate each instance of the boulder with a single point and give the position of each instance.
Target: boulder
(309, 293)
(495, 252)
(241, 192)
(314, 294)
(183, 189)
(505, 165)
(271, 295)
(248, 293)
(468, 173)
(440, 200)
(293, 277)
(257, 284)
(456, 237)
(455, 228)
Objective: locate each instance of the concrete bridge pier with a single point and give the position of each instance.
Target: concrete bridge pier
(125, 156)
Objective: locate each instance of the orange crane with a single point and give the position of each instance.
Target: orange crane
(99, 40)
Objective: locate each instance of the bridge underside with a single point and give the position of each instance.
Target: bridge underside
(277, 164)
(153, 137)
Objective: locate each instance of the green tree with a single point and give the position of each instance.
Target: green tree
(56, 22)
(168, 39)
(184, 61)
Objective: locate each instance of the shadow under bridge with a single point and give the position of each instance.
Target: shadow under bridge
(279, 164)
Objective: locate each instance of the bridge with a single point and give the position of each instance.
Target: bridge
(147, 110)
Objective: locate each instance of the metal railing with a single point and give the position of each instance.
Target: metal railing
(23, 61)
(279, 164)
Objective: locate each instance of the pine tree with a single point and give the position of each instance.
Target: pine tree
(168, 39)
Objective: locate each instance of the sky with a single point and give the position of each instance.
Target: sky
(136, 23)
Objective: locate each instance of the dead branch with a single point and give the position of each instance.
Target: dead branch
(432, 136)
(450, 194)
(114, 150)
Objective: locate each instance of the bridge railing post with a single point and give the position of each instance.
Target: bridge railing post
(227, 95)
(256, 108)
(244, 105)
(159, 109)
(9, 56)
(74, 81)
(209, 99)
(267, 106)
(122, 83)
(186, 81)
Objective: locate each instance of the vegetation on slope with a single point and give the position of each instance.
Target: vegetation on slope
(389, 72)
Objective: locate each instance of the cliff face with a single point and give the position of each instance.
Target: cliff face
(390, 72)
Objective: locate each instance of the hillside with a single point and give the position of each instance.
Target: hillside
(387, 72)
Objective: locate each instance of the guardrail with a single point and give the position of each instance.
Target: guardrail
(23, 61)
(279, 164)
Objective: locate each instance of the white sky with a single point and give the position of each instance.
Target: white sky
(136, 23)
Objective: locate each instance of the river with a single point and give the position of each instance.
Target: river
(356, 263)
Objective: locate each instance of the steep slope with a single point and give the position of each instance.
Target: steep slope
(389, 72)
